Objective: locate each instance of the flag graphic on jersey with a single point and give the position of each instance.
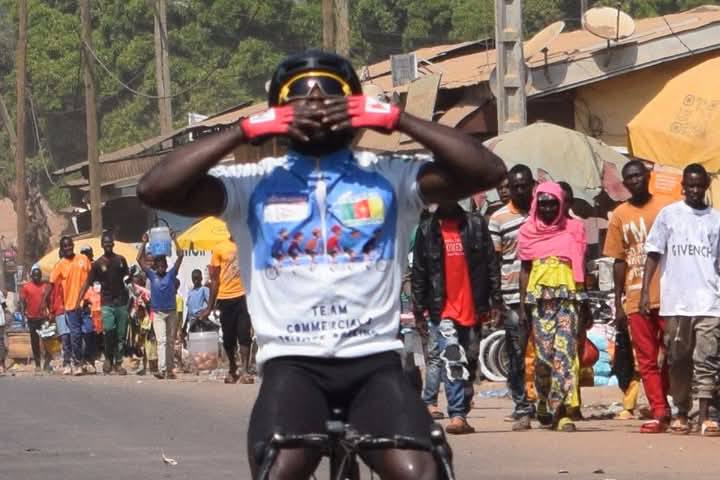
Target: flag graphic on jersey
(361, 211)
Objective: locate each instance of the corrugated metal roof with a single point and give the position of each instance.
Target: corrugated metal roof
(471, 69)
(459, 69)
(127, 152)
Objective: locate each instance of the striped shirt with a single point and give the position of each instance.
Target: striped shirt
(504, 226)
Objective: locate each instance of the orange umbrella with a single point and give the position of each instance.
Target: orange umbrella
(681, 125)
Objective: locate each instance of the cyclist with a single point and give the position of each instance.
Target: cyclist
(326, 325)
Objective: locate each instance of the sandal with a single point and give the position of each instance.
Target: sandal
(625, 415)
(565, 424)
(680, 427)
(710, 428)
(654, 426)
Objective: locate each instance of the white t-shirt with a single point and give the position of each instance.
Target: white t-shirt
(688, 241)
(322, 246)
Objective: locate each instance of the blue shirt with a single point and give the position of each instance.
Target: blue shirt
(307, 298)
(197, 300)
(162, 290)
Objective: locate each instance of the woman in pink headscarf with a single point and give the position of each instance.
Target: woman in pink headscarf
(553, 256)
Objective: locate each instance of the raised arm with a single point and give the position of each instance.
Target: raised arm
(180, 182)
(463, 165)
(179, 252)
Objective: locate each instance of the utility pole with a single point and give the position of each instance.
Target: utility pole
(91, 125)
(342, 27)
(328, 16)
(583, 9)
(162, 67)
(21, 84)
(511, 106)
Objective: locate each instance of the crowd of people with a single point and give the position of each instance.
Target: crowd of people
(102, 309)
(328, 336)
(525, 266)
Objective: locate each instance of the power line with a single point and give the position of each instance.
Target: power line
(690, 50)
(39, 143)
(145, 95)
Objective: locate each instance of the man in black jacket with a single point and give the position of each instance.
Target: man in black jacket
(455, 274)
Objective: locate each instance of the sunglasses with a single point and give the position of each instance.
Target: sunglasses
(302, 85)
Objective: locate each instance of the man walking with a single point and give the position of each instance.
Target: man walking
(625, 242)
(71, 273)
(683, 242)
(227, 288)
(454, 275)
(110, 271)
(504, 226)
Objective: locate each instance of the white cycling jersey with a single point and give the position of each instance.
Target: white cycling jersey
(322, 246)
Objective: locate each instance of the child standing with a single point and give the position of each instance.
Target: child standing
(92, 314)
(196, 302)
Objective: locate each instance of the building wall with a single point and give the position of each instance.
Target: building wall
(603, 109)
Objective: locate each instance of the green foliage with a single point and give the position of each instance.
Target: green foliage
(221, 52)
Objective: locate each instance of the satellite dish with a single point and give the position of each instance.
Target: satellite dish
(542, 39)
(609, 23)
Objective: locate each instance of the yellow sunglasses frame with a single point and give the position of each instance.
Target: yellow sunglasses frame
(285, 89)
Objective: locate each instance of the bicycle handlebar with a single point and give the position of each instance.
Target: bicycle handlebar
(365, 442)
(438, 446)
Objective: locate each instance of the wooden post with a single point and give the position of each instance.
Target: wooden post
(21, 83)
(162, 67)
(342, 27)
(511, 106)
(328, 16)
(91, 121)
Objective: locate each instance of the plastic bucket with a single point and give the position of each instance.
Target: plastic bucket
(160, 242)
(203, 348)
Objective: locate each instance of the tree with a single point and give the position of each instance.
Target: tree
(222, 52)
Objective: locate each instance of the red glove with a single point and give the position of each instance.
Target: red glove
(274, 121)
(368, 112)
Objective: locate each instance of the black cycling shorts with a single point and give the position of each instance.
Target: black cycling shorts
(297, 395)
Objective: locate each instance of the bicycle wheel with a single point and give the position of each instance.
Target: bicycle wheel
(503, 361)
(484, 356)
(493, 359)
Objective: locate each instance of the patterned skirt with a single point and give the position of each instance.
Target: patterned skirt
(555, 332)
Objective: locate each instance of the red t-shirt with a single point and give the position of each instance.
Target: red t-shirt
(459, 303)
(32, 296)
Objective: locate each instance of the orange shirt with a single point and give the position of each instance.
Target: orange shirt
(626, 236)
(71, 274)
(224, 256)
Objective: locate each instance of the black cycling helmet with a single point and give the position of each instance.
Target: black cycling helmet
(308, 61)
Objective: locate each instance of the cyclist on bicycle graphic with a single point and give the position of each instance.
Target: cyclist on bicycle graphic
(327, 336)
